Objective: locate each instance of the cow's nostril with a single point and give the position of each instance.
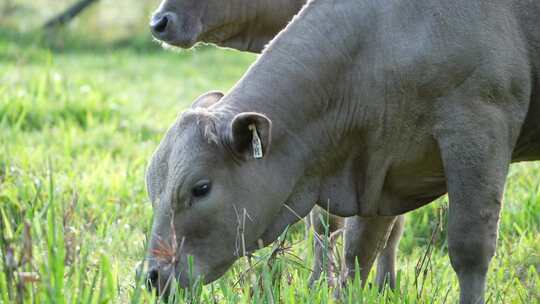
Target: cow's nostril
(152, 278)
(159, 24)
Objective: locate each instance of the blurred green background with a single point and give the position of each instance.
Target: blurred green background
(81, 110)
(105, 20)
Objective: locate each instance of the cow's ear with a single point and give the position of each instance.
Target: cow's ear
(207, 99)
(250, 135)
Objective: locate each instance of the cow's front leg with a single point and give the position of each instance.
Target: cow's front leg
(476, 160)
(365, 237)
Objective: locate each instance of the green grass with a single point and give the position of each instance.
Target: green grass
(77, 127)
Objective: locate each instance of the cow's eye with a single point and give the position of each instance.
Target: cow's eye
(201, 189)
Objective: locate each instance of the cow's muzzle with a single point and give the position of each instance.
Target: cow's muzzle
(161, 280)
(181, 31)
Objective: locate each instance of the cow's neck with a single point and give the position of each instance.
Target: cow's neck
(260, 21)
(301, 83)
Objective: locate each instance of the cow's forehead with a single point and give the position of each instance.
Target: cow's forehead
(191, 143)
(185, 143)
(184, 151)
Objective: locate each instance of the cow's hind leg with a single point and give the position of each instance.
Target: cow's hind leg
(386, 273)
(476, 143)
(365, 237)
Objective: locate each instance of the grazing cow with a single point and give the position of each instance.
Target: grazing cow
(249, 26)
(377, 111)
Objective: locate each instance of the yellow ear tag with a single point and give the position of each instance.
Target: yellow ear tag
(256, 144)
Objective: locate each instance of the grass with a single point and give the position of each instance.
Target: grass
(77, 127)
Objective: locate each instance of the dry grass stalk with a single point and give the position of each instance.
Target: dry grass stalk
(29, 277)
(167, 254)
(423, 266)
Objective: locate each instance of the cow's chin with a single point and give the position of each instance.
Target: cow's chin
(287, 216)
(186, 43)
(267, 238)
(217, 272)
(271, 234)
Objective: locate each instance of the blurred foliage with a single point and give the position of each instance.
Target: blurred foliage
(108, 22)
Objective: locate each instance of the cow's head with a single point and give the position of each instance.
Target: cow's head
(216, 191)
(241, 24)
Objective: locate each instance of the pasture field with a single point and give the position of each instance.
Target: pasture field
(77, 127)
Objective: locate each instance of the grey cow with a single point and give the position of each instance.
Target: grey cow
(453, 84)
(249, 26)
